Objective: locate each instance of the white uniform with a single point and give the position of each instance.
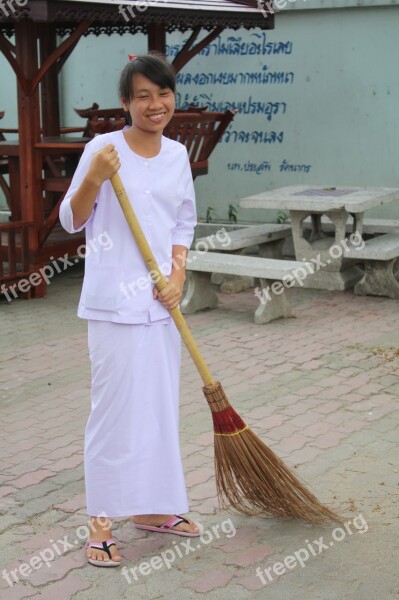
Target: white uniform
(132, 456)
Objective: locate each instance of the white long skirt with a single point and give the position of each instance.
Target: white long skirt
(132, 456)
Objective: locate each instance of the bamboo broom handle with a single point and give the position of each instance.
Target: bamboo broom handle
(158, 278)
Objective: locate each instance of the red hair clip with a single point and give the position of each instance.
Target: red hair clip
(132, 56)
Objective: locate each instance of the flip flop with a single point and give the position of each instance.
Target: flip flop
(105, 546)
(168, 527)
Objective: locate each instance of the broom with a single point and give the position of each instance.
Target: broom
(250, 477)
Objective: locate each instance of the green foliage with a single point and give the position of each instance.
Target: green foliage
(210, 212)
(282, 216)
(233, 209)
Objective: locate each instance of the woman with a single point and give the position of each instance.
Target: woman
(133, 465)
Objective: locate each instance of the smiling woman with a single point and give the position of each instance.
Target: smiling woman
(133, 466)
(147, 91)
(156, 71)
(150, 105)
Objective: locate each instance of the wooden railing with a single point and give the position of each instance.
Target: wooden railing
(15, 261)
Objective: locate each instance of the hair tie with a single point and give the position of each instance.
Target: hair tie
(132, 56)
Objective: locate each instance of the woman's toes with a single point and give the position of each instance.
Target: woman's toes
(96, 554)
(114, 553)
(189, 527)
(193, 525)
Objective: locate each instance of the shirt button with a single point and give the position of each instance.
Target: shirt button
(147, 192)
(146, 164)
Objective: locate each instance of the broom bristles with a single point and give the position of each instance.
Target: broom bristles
(250, 477)
(253, 480)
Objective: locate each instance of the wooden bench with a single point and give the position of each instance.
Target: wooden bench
(102, 120)
(198, 129)
(200, 132)
(379, 255)
(273, 303)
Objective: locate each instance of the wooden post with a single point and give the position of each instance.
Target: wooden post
(157, 37)
(49, 84)
(29, 135)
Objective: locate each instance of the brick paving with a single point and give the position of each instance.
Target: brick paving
(320, 389)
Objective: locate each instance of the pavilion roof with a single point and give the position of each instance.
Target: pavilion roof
(106, 17)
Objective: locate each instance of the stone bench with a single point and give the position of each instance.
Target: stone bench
(269, 237)
(270, 272)
(369, 226)
(379, 255)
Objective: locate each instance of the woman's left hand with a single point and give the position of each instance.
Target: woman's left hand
(171, 295)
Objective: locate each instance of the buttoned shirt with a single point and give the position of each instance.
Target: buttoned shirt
(117, 285)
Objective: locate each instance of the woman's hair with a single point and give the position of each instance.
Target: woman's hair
(154, 66)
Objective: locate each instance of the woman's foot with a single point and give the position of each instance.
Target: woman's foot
(100, 532)
(167, 524)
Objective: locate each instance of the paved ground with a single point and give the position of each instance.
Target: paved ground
(320, 389)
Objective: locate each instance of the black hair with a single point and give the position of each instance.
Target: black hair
(154, 66)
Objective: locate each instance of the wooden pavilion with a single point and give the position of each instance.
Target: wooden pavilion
(29, 40)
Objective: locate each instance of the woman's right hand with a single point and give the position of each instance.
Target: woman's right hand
(104, 164)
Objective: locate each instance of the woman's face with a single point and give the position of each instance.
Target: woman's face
(151, 107)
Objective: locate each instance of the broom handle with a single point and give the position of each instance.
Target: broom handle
(158, 278)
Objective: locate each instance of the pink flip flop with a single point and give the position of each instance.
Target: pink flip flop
(168, 527)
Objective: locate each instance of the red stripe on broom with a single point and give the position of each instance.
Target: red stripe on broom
(228, 422)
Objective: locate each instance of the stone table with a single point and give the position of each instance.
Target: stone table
(340, 205)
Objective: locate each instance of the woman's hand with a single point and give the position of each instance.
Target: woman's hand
(171, 295)
(104, 164)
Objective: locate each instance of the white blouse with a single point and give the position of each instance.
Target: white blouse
(117, 286)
